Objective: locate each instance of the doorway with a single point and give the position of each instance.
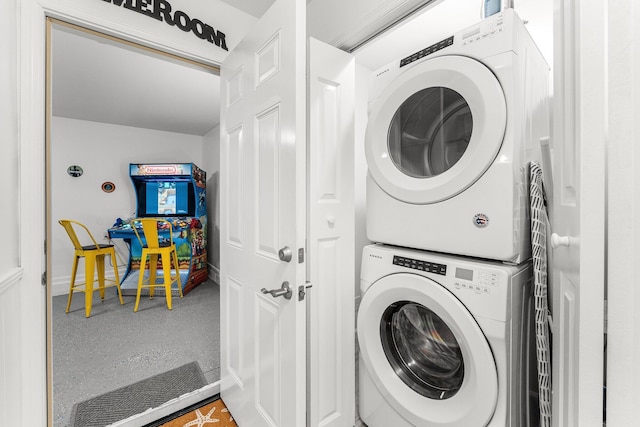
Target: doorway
(90, 124)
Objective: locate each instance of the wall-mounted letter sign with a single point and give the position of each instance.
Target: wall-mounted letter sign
(162, 11)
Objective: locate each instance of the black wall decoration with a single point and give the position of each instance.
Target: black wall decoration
(162, 11)
(75, 171)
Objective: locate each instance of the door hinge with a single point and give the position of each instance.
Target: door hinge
(43, 279)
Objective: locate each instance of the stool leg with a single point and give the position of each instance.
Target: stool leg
(112, 254)
(153, 272)
(74, 270)
(143, 261)
(89, 263)
(178, 279)
(100, 267)
(166, 270)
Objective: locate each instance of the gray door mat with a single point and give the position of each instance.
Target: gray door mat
(138, 397)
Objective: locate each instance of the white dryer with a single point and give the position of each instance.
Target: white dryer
(445, 341)
(450, 132)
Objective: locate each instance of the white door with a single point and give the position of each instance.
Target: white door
(577, 216)
(331, 236)
(262, 216)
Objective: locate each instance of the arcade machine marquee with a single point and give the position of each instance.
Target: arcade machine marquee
(176, 193)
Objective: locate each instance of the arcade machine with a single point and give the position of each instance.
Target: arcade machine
(176, 193)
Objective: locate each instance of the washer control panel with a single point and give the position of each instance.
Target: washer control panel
(476, 281)
(418, 264)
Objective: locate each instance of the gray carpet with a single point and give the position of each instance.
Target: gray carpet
(116, 347)
(138, 397)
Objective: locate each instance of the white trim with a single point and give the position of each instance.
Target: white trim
(170, 407)
(623, 223)
(105, 18)
(578, 270)
(11, 279)
(60, 284)
(214, 273)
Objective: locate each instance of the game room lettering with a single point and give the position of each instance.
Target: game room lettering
(162, 11)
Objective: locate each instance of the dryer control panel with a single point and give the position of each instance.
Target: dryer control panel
(426, 51)
(418, 264)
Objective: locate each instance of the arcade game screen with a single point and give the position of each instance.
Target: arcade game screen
(166, 198)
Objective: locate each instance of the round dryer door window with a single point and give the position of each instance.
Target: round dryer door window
(436, 129)
(430, 132)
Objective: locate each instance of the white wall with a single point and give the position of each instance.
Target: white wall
(623, 371)
(11, 328)
(211, 164)
(104, 152)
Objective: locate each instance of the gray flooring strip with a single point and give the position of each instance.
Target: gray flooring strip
(138, 397)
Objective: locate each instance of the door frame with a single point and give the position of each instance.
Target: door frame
(34, 143)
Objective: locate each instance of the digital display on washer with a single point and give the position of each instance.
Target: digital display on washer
(421, 265)
(426, 51)
(464, 274)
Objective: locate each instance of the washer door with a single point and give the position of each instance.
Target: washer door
(436, 129)
(426, 354)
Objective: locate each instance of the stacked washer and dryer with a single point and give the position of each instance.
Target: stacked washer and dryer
(446, 317)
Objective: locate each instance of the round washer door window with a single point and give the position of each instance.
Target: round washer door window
(426, 353)
(422, 349)
(436, 129)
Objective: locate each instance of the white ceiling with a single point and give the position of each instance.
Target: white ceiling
(96, 79)
(253, 7)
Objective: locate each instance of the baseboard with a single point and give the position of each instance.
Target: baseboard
(60, 284)
(214, 273)
(172, 406)
(11, 279)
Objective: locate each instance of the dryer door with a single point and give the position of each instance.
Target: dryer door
(436, 129)
(426, 353)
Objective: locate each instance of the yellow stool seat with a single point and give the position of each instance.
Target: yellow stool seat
(94, 258)
(152, 248)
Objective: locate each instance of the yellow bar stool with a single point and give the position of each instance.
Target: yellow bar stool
(153, 246)
(94, 258)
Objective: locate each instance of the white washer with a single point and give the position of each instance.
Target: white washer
(450, 132)
(445, 341)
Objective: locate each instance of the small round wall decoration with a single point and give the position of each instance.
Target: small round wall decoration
(108, 187)
(75, 171)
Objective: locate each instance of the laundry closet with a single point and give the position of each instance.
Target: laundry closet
(451, 133)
